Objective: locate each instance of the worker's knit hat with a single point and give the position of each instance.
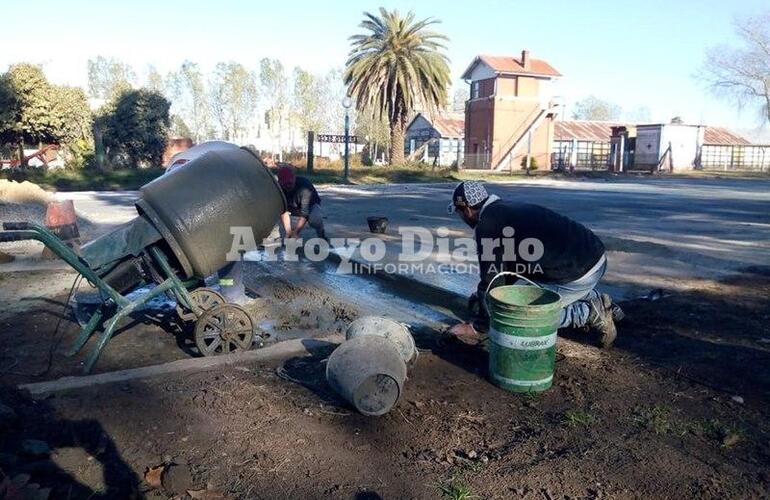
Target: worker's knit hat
(467, 194)
(286, 176)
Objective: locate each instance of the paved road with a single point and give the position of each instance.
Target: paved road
(660, 232)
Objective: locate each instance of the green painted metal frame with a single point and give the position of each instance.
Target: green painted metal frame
(123, 306)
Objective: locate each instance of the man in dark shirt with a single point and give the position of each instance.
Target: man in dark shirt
(302, 202)
(543, 246)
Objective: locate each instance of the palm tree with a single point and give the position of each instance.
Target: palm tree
(394, 68)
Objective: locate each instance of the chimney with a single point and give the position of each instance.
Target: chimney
(525, 59)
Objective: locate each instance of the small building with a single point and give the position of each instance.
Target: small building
(584, 144)
(436, 139)
(510, 112)
(672, 146)
(581, 144)
(725, 150)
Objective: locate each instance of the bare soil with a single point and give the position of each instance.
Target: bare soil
(39, 326)
(678, 409)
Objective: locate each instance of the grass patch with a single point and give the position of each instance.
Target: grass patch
(661, 420)
(725, 435)
(85, 179)
(456, 489)
(333, 173)
(578, 418)
(380, 175)
(657, 419)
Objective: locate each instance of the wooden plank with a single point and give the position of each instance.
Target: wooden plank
(280, 350)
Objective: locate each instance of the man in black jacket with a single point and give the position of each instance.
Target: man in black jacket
(302, 202)
(543, 246)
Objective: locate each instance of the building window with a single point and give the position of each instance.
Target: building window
(475, 90)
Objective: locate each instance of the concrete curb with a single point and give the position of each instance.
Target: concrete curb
(277, 351)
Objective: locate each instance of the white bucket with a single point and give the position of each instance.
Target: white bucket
(368, 372)
(394, 331)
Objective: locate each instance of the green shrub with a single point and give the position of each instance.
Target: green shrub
(532, 162)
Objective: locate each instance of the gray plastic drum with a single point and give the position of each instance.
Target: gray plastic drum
(368, 372)
(387, 328)
(195, 206)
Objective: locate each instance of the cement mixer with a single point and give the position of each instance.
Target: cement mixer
(181, 236)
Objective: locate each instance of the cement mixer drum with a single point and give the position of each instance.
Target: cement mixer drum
(195, 207)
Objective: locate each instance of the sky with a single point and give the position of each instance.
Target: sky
(632, 53)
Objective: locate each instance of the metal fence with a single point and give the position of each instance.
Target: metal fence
(582, 155)
(735, 157)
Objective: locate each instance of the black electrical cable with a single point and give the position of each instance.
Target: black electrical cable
(54, 342)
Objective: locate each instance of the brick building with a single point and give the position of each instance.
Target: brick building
(510, 111)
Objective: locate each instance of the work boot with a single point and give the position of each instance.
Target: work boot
(600, 319)
(617, 313)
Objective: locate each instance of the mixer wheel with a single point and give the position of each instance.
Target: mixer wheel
(224, 329)
(204, 298)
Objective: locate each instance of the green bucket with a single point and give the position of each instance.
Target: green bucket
(522, 336)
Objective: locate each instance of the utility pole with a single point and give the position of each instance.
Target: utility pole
(346, 103)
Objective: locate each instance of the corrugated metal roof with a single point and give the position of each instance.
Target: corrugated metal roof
(583, 130)
(599, 131)
(512, 66)
(723, 136)
(450, 125)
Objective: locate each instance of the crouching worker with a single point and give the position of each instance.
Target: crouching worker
(565, 257)
(303, 203)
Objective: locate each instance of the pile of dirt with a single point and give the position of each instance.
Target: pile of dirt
(23, 192)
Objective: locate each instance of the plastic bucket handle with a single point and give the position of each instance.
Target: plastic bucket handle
(504, 273)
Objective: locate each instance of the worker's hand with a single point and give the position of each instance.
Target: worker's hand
(463, 330)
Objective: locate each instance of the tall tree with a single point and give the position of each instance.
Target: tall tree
(233, 91)
(593, 108)
(332, 93)
(307, 101)
(32, 110)
(743, 74)
(191, 101)
(107, 77)
(461, 94)
(375, 130)
(32, 117)
(396, 66)
(74, 117)
(8, 110)
(275, 91)
(135, 124)
(155, 80)
(179, 128)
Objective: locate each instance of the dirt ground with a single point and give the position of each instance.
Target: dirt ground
(678, 409)
(36, 330)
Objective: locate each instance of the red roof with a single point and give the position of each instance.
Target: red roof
(450, 124)
(512, 66)
(720, 135)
